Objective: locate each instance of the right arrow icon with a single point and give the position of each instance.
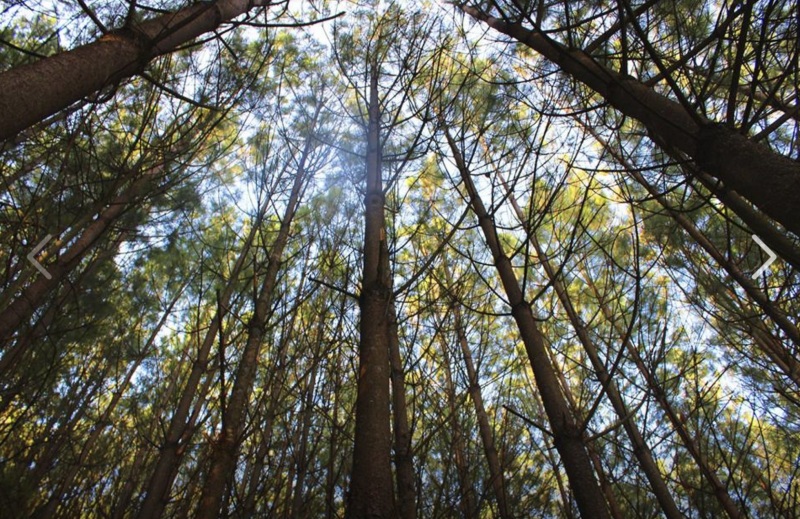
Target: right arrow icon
(772, 257)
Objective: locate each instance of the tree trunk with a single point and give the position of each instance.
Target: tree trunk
(179, 432)
(566, 433)
(468, 503)
(496, 481)
(48, 510)
(31, 298)
(640, 448)
(708, 473)
(789, 364)
(371, 488)
(30, 93)
(404, 465)
(767, 179)
(225, 449)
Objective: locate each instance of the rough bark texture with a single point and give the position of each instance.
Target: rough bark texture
(768, 179)
(371, 489)
(30, 93)
(566, 433)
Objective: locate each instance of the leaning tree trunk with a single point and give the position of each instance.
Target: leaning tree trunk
(226, 447)
(32, 296)
(640, 448)
(468, 502)
(768, 179)
(496, 479)
(565, 430)
(371, 489)
(179, 432)
(30, 93)
(58, 497)
(689, 442)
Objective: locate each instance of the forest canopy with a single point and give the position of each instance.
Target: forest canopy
(391, 259)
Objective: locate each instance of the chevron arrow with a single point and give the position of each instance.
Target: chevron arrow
(32, 256)
(772, 257)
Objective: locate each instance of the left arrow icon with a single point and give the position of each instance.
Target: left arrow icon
(32, 256)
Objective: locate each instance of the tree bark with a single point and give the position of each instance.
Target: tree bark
(720, 491)
(468, 503)
(179, 432)
(371, 488)
(30, 93)
(496, 480)
(767, 179)
(566, 433)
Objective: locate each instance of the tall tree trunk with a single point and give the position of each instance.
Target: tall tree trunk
(404, 465)
(767, 179)
(720, 490)
(496, 480)
(301, 457)
(565, 430)
(371, 488)
(179, 432)
(30, 93)
(640, 448)
(226, 447)
(468, 503)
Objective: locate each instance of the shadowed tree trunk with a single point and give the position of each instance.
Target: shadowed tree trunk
(496, 479)
(371, 487)
(226, 447)
(179, 432)
(404, 465)
(640, 448)
(565, 430)
(767, 179)
(30, 93)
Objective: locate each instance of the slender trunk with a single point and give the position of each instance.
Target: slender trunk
(767, 179)
(404, 465)
(597, 463)
(468, 503)
(565, 430)
(125, 495)
(48, 510)
(640, 447)
(301, 460)
(226, 447)
(275, 393)
(496, 481)
(179, 432)
(708, 473)
(29, 93)
(749, 286)
(371, 488)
